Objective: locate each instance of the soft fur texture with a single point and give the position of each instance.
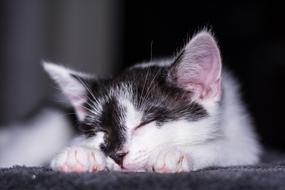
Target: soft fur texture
(175, 115)
(36, 141)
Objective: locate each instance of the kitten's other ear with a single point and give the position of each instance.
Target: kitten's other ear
(197, 69)
(72, 84)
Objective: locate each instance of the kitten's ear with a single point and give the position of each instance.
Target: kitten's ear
(72, 84)
(197, 69)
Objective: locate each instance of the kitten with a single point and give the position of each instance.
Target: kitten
(173, 115)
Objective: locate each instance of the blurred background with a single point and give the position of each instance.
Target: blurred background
(106, 36)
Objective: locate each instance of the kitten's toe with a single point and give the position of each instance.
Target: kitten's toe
(172, 161)
(78, 159)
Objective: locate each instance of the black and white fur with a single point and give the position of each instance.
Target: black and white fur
(172, 115)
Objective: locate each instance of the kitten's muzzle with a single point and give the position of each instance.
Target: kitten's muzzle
(118, 157)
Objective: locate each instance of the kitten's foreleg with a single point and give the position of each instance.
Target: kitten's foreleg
(170, 160)
(84, 155)
(79, 159)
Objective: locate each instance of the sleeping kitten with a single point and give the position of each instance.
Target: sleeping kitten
(173, 115)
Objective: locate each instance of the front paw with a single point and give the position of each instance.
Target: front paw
(171, 161)
(79, 159)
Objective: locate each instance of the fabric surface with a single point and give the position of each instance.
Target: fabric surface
(269, 174)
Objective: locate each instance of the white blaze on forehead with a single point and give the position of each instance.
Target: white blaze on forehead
(133, 116)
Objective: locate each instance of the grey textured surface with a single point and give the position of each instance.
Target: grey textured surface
(270, 174)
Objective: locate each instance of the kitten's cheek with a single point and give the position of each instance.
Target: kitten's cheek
(135, 132)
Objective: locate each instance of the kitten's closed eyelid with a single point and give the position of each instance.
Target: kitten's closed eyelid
(143, 124)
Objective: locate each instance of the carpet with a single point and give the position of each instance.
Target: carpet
(269, 174)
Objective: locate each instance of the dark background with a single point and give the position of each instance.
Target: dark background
(107, 36)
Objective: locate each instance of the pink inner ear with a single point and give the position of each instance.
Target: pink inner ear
(200, 68)
(78, 102)
(72, 88)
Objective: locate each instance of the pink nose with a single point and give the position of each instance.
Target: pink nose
(119, 157)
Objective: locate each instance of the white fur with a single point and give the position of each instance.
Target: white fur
(34, 143)
(75, 91)
(169, 160)
(224, 138)
(157, 62)
(79, 159)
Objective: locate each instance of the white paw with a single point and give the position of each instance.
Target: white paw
(171, 161)
(79, 159)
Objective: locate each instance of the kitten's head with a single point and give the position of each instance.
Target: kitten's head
(149, 106)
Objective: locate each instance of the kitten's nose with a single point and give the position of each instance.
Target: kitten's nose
(119, 157)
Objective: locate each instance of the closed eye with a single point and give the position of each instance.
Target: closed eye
(143, 124)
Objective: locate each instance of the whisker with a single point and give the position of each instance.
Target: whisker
(151, 85)
(92, 111)
(87, 88)
(145, 79)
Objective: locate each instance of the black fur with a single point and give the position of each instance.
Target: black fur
(112, 120)
(164, 101)
(158, 99)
